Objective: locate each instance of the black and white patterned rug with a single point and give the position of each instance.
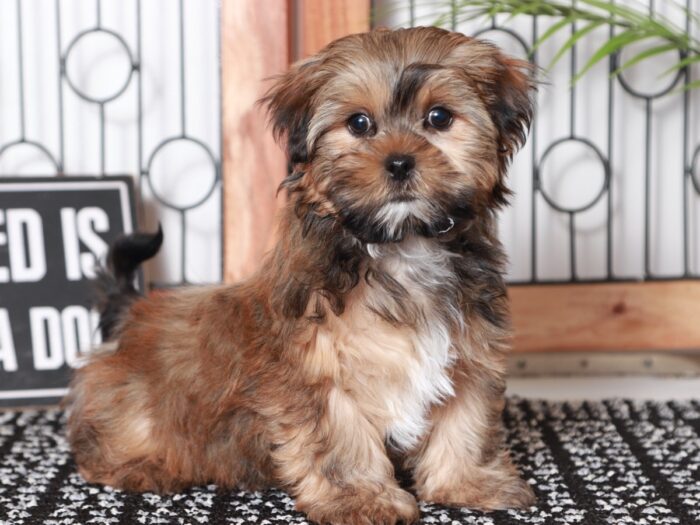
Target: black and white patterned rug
(614, 462)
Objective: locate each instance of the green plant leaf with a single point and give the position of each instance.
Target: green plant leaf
(572, 41)
(608, 48)
(691, 85)
(631, 18)
(525, 9)
(643, 56)
(553, 30)
(687, 61)
(618, 10)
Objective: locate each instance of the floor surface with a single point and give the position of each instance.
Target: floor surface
(595, 388)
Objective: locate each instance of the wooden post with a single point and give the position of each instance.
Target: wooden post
(254, 47)
(319, 22)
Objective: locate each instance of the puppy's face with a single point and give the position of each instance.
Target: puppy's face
(394, 133)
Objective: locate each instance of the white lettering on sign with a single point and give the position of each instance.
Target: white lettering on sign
(8, 357)
(61, 337)
(82, 226)
(45, 326)
(4, 271)
(24, 230)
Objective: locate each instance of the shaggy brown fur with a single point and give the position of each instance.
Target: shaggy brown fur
(377, 326)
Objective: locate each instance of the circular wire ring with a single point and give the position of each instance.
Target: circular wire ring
(123, 45)
(650, 96)
(34, 144)
(694, 168)
(507, 31)
(160, 198)
(606, 171)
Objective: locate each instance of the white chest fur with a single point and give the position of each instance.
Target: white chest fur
(424, 269)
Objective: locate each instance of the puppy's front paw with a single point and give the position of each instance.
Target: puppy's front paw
(390, 507)
(489, 493)
(514, 493)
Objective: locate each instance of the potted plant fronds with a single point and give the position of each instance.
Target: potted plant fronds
(632, 23)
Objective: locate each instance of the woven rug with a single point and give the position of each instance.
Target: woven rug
(589, 463)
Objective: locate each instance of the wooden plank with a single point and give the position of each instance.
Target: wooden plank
(610, 316)
(322, 21)
(255, 46)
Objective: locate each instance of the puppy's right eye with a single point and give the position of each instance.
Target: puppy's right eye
(360, 124)
(439, 118)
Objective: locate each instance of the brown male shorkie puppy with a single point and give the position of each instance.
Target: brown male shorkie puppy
(376, 328)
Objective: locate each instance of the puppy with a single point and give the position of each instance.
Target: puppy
(376, 328)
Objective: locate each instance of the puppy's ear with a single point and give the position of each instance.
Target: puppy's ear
(508, 91)
(289, 103)
(505, 84)
(507, 87)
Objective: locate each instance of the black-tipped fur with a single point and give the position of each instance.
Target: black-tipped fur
(115, 284)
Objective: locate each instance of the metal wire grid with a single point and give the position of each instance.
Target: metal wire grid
(145, 159)
(691, 160)
(691, 157)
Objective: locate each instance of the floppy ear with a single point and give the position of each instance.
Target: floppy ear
(509, 95)
(289, 102)
(506, 86)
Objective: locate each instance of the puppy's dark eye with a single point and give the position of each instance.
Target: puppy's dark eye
(360, 124)
(438, 118)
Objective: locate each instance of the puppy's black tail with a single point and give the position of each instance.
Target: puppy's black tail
(115, 283)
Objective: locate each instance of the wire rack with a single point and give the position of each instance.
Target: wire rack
(541, 151)
(66, 45)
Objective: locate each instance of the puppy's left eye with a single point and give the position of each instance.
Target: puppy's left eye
(438, 118)
(360, 124)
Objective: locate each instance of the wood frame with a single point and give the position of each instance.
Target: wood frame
(254, 47)
(258, 40)
(655, 315)
(319, 22)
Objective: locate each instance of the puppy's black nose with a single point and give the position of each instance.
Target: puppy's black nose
(400, 166)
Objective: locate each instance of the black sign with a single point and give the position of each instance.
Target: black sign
(53, 233)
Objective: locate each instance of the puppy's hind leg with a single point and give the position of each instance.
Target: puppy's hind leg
(111, 432)
(336, 466)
